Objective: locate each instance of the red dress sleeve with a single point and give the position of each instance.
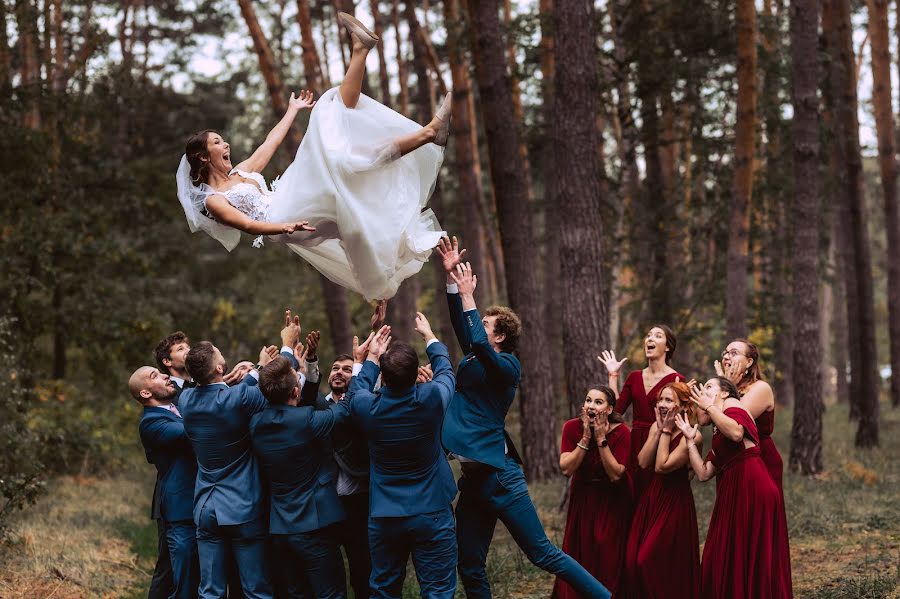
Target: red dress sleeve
(624, 399)
(571, 434)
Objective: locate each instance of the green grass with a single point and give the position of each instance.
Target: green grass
(92, 537)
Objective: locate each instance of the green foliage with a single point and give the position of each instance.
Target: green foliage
(21, 476)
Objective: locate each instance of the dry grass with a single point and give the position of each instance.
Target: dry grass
(92, 537)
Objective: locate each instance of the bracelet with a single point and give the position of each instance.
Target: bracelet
(584, 447)
(665, 432)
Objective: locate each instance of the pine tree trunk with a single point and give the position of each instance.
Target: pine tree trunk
(745, 149)
(860, 303)
(536, 400)
(312, 66)
(887, 163)
(403, 98)
(465, 144)
(5, 54)
(29, 62)
(577, 193)
(383, 80)
(806, 433)
(839, 314)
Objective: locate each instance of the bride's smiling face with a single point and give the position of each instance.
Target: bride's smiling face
(219, 153)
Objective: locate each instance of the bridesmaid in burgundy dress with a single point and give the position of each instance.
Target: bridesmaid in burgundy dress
(662, 558)
(594, 449)
(740, 364)
(739, 560)
(640, 390)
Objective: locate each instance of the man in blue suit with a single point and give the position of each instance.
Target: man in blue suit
(492, 485)
(294, 450)
(229, 506)
(168, 448)
(411, 485)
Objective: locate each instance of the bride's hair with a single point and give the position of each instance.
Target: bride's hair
(195, 150)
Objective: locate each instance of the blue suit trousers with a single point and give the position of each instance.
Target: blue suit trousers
(430, 538)
(246, 542)
(310, 565)
(181, 540)
(486, 495)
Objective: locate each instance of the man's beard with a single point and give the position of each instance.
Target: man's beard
(335, 388)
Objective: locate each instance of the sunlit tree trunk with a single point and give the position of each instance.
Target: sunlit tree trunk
(536, 400)
(403, 97)
(887, 163)
(383, 80)
(806, 433)
(745, 148)
(29, 62)
(312, 65)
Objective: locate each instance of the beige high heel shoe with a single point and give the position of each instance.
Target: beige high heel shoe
(443, 114)
(355, 27)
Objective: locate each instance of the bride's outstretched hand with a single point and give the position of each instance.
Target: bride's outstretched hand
(304, 100)
(289, 228)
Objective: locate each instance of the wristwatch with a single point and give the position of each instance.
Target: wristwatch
(603, 443)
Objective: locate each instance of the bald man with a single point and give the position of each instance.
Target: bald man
(169, 449)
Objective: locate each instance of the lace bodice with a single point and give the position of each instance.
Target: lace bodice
(247, 197)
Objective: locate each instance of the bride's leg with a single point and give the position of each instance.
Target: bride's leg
(351, 86)
(413, 141)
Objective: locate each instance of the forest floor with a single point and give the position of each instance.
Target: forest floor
(92, 537)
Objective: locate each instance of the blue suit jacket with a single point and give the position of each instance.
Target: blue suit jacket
(408, 473)
(217, 421)
(486, 383)
(168, 448)
(293, 447)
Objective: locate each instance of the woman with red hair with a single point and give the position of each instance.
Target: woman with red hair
(594, 450)
(662, 556)
(640, 391)
(739, 561)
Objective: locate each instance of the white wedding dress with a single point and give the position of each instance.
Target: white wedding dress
(365, 201)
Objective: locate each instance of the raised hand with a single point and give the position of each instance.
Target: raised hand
(304, 100)
(719, 370)
(378, 315)
(450, 254)
(303, 225)
(424, 374)
(586, 426)
(689, 432)
(238, 373)
(380, 342)
(668, 422)
(312, 345)
(360, 352)
(290, 334)
(464, 279)
(267, 354)
(700, 399)
(423, 327)
(659, 418)
(601, 427)
(609, 361)
(301, 352)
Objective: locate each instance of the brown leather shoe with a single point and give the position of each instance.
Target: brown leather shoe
(355, 27)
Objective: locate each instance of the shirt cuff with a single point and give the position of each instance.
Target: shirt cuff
(452, 288)
(430, 341)
(302, 379)
(254, 373)
(357, 368)
(312, 371)
(285, 348)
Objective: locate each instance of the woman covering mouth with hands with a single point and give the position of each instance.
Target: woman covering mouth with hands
(594, 450)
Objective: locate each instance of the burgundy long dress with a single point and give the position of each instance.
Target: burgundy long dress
(634, 393)
(774, 464)
(599, 511)
(739, 558)
(662, 557)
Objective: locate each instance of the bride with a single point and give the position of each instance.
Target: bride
(351, 203)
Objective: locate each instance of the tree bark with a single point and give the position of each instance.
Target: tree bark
(577, 192)
(517, 233)
(29, 62)
(312, 65)
(403, 97)
(860, 303)
(5, 54)
(887, 163)
(745, 149)
(806, 433)
(383, 80)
